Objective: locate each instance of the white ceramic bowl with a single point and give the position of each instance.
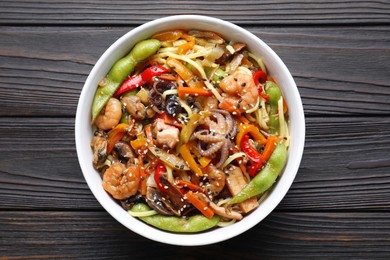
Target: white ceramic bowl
(229, 31)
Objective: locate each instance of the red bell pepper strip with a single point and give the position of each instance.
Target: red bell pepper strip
(254, 169)
(258, 159)
(260, 77)
(253, 155)
(140, 79)
(249, 150)
(170, 120)
(160, 173)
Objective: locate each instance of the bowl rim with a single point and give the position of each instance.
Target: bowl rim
(206, 237)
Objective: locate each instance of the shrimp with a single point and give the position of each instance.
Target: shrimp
(216, 181)
(121, 182)
(240, 94)
(110, 115)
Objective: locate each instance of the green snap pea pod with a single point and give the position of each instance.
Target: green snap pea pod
(274, 93)
(120, 70)
(196, 223)
(265, 178)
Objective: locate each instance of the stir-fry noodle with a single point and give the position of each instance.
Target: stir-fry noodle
(183, 124)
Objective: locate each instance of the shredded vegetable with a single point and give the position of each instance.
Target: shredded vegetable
(197, 134)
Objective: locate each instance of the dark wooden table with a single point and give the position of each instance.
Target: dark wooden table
(339, 55)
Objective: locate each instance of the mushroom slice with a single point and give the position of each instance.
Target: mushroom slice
(235, 48)
(178, 203)
(129, 202)
(124, 151)
(155, 200)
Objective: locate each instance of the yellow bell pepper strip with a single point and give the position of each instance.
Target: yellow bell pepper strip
(115, 135)
(187, 156)
(265, 178)
(182, 49)
(204, 161)
(168, 36)
(198, 203)
(253, 131)
(186, 74)
(119, 71)
(138, 143)
(193, 122)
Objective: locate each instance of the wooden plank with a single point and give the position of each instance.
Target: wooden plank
(338, 70)
(242, 12)
(87, 235)
(345, 166)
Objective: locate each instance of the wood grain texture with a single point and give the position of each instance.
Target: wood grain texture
(345, 166)
(274, 12)
(338, 52)
(96, 235)
(338, 70)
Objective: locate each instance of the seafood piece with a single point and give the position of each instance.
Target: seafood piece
(121, 182)
(241, 93)
(110, 115)
(99, 148)
(218, 137)
(209, 103)
(215, 181)
(134, 107)
(166, 134)
(235, 182)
